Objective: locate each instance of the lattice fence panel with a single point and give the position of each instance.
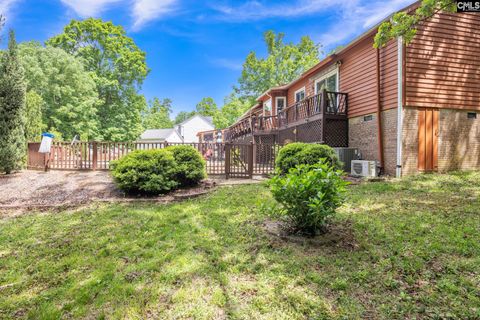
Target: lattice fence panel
(336, 133)
(287, 135)
(310, 132)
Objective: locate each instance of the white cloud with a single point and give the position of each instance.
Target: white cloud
(255, 10)
(6, 6)
(227, 64)
(89, 8)
(145, 11)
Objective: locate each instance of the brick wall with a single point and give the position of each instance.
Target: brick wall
(458, 141)
(410, 141)
(363, 136)
(389, 124)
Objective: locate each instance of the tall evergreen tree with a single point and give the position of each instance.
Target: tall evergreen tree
(12, 109)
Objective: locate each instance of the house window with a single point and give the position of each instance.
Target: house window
(328, 82)
(368, 118)
(299, 95)
(267, 106)
(472, 115)
(280, 103)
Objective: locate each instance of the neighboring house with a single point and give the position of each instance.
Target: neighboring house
(190, 128)
(186, 132)
(412, 108)
(161, 135)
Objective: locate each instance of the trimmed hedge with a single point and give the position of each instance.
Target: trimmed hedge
(159, 171)
(295, 154)
(190, 168)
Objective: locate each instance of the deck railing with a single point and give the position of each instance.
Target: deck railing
(326, 103)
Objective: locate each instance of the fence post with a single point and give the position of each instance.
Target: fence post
(227, 160)
(250, 160)
(95, 155)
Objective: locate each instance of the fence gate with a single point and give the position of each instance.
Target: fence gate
(238, 160)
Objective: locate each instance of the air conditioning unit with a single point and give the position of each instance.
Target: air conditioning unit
(363, 168)
(346, 155)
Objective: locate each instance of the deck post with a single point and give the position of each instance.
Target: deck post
(250, 160)
(227, 160)
(95, 155)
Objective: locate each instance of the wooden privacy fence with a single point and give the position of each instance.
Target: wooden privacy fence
(235, 160)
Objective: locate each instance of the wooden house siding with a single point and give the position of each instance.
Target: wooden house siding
(389, 76)
(295, 87)
(358, 78)
(443, 65)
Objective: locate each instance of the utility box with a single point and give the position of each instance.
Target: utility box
(346, 155)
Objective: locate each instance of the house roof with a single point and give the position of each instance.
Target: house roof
(156, 134)
(209, 120)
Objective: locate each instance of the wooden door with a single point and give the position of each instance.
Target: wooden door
(427, 139)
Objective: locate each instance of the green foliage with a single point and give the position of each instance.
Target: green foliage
(34, 125)
(190, 167)
(119, 69)
(69, 93)
(405, 25)
(284, 63)
(145, 171)
(233, 108)
(183, 115)
(207, 107)
(295, 154)
(308, 194)
(12, 109)
(158, 114)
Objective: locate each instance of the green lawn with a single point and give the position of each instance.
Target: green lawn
(397, 250)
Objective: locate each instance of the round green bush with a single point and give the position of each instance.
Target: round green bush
(190, 168)
(295, 154)
(146, 171)
(308, 195)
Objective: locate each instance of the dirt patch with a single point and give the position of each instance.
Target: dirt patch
(336, 235)
(35, 190)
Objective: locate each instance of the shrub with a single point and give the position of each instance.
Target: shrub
(146, 171)
(294, 154)
(308, 195)
(190, 168)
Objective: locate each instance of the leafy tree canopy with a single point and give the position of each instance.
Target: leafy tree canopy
(404, 25)
(158, 114)
(184, 115)
(34, 125)
(207, 107)
(233, 108)
(67, 92)
(284, 63)
(119, 67)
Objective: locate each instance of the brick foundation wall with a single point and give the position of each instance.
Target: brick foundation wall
(389, 124)
(410, 141)
(458, 141)
(363, 135)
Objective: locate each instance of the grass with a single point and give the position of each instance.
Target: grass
(396, 250)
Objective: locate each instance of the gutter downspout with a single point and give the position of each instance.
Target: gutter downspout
(399, 106)
(379, 117)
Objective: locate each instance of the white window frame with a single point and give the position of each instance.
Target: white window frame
(298, 91)
(328, 75)
(284, 103)
(265, 104)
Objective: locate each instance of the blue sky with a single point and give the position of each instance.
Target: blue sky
(196, 48)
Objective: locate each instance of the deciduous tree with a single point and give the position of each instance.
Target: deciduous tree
(34, 125)
(158, 114)
(207, 107)
(405, 25)
(68, 91)
(183, 115)
(233, 108)
(284, 63)
(119, 68)
(12, 109)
